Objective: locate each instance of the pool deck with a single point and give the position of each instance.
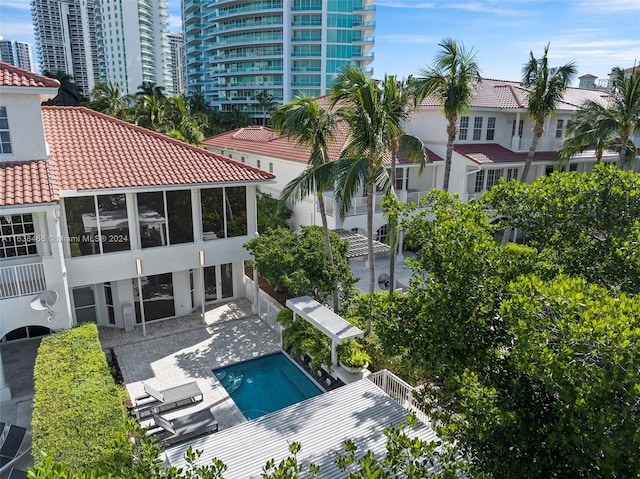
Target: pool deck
(186, 349)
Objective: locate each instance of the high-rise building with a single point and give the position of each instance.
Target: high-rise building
(16, 53)
(133, 42)
(237, 50)
(66, 39)
(93, 40)
(176, 44)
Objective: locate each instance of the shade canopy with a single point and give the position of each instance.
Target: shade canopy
(321, 317)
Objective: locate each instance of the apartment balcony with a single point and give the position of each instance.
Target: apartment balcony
(253, 7)
(22, 280)
(359, 205)
(545, 143)
(250, 24)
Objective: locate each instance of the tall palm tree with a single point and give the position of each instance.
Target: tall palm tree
(304, 120)
(546, 87)
(371, 109)
(398, 97)
(151, 112)
(108, 98)
(451, 81)
(267, 102)
(586, 134)
(182, 123)
(68, 92)
(621, 118)
(150, 88)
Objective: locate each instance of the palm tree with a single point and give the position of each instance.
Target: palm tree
(68, 92)
(304, 120)
(267, 102)
(546, 87)
(451, 81)
(184, 125)
(372, 110)
(150, 88)
(398, 96)
(109, 99)
(621, 118)
(586, 134)
(150, 111)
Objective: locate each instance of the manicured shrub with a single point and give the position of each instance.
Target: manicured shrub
(78, 411)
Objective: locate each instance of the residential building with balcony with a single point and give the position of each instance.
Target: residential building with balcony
(16, 53)
(178, 69)
(238, 49)
(495, 135)
(126, 225)
(133, 43)
(66, 39)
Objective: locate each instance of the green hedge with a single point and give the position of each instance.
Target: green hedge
(78, 411)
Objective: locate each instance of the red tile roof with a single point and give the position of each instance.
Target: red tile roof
(261, 140)
(482, 153)
(26, 182)
(13, 76)
(93, 151)
(512, 95)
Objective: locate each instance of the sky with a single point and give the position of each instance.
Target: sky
(595, 34)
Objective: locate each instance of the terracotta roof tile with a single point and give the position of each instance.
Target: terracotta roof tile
(26, 182)
(93, 151)
(13, 76)
(512, 95)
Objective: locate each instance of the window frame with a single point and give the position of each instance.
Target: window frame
(463, 130)
(478, 122)
(6, 147)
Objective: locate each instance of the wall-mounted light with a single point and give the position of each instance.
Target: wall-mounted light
(201, 257)
(139, 267)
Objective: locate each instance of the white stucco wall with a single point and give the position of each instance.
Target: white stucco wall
(25, 125)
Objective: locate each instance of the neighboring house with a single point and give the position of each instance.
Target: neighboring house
(111, 216)
(495, 135)
(261, 147)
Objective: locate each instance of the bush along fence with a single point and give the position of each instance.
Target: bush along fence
(78, 411)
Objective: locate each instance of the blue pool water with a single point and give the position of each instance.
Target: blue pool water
(266, 384)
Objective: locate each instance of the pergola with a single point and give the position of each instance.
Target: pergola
(321, 317)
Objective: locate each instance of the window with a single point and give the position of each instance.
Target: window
(192, 289)
(477, 128)
(165, 218)
(573, 167)
(479, 186)
(17, 236)
(157, 297)
(464, 127)
(258, 163)
(224, 212)
(5, 139)
(270, 167)
(399, 178)
(491, 128)
(520, 128)
(493, 178)
(242, 159)
(381, 234)
(549, 169)
(512, 174)
(84, 304)
(559, 127)
(97, 224)
(108, 297)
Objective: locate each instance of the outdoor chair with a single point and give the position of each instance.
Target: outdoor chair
(166, 399)
(183, 428)
(15, 442)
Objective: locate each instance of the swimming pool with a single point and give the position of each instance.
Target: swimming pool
(266, 384)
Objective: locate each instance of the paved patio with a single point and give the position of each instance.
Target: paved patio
(187, 349)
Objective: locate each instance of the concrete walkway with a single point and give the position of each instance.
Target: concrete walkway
(187, 349)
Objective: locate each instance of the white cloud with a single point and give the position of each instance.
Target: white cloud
(18, 4)
(404, 4)
(612, 5)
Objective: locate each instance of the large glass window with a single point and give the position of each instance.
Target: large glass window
(210, 284)
(464, 128)
(559, 128)
(493, 178)
(85, 304)
(224, 212)
(5, 138)
(17, 236)
(157, 297)
(165, 218)
(477, 128)
(97, 225)
(479, 184)
(226, 273)
(491, 128)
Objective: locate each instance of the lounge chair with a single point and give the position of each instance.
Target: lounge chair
(166, 399)
(183, 428)
(15, 442)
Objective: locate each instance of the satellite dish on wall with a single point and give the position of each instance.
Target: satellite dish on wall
(45, 302)
(384, 281)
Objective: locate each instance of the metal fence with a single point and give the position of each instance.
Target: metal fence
(401, 391)
(22, 280)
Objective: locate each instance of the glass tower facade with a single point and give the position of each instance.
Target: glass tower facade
(240, 50)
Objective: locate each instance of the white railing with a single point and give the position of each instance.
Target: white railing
(22, 280)
(401, 391)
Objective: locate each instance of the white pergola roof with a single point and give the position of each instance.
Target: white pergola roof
(359, 411)
(358, 244)
(324, 319)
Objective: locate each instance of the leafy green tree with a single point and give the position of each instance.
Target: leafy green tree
(545, 86)
(267, 102)
(183, 124)
(225, 121)
(272, 213)
(451, 80)
(151, 111)
(304, 120)
(290, 468)
(296, 263)
(108, 98)
(585, 221)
